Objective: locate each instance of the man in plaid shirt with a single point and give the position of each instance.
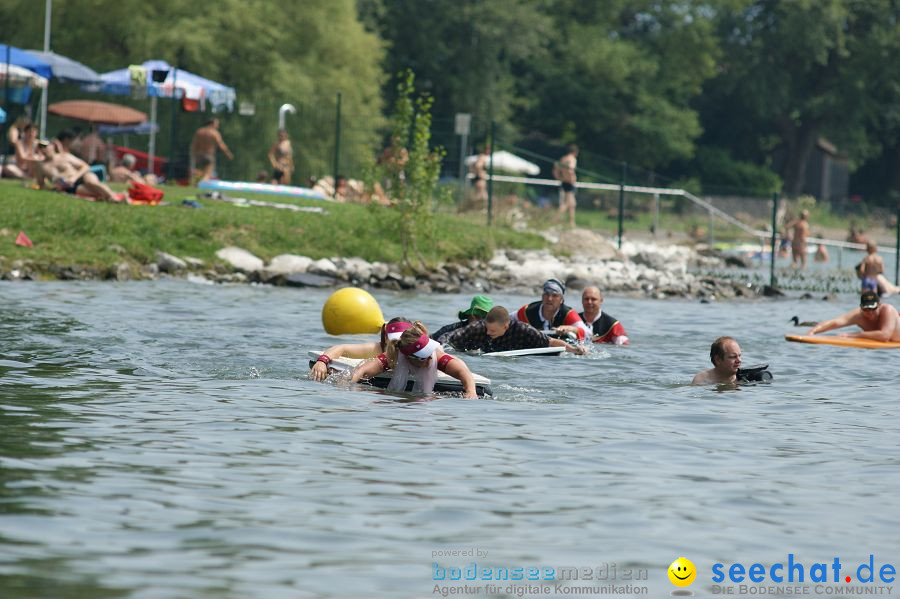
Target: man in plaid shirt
(497, 332)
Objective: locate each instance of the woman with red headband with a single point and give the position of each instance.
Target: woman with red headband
(390, 331)
(416, 355)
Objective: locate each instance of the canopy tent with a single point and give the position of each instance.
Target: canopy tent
(22, 58)
(98, 112)
(506, 161)
(159, 79)
(66, 69)
(193, 87)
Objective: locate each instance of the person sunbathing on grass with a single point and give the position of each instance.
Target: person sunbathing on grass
(66, 172)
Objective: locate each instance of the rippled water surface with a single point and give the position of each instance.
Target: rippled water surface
(160, 439)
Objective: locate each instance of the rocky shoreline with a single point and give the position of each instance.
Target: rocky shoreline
(640, 268)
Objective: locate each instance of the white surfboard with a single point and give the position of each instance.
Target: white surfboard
(534, 351)
(444, 384)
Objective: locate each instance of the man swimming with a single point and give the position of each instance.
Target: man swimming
(725, 355)
(551, 314)
(497, 332)
(878, 321)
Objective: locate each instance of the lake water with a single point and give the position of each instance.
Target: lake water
(160, 439)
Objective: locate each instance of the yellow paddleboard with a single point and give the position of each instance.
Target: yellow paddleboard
(844, 341)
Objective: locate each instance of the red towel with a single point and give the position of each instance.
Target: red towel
(23, 240)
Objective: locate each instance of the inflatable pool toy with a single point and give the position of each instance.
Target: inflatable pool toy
(351, 311)
(445, 383)
(843, 341)
(247, 187)
(534, 351)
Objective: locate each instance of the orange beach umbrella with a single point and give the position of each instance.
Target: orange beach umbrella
(92, 111)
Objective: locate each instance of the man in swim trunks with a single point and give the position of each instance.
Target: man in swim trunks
(725, 355)
(871, 272)
(206, 141)
(606, 329)
(878, 321)
(477, 310)
(551, 314)
(497, 332)
(564, 172)
(798, 243)
(70, 174)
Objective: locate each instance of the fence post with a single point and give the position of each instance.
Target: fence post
(337, 142)
(490, 206)
(897, 252)
(170, 174)
(655, 214)
(622, 202)
(774, 238)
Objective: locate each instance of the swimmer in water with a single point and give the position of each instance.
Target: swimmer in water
(725, 355)
(878, 321)
(420, 357)
(390, 331)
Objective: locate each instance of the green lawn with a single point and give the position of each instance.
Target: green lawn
(71, 231)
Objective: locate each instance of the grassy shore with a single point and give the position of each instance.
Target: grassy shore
(68, 231)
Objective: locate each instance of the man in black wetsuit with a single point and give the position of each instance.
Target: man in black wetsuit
(498, 332)
(606, 329)
(551, 314)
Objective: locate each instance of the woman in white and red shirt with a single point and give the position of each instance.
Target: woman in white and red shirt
(416, 355)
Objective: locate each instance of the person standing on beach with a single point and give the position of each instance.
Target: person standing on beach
(564, 172)
(479, 170)
(206, 141)
(281, 157)
(798, 243)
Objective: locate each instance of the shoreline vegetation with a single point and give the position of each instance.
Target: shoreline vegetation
(221, 242)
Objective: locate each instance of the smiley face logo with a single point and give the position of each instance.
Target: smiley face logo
(682, 572)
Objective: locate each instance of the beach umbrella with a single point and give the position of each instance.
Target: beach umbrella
(506, 161)
(19, 57)
(66, 69)
(2, 116)
(21, 76)
(95, 112)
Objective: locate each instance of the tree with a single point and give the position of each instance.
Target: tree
(795, 71)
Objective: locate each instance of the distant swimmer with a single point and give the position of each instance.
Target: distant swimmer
(477, 310)
(871, 272)
(725, 355)
(606, 329)
(420, 357)
(551, 314)
(497, 332)
(878, 321)
(390, 331)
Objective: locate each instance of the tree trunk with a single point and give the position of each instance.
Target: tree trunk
(799, 144)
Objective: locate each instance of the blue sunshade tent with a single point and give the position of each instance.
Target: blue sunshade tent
(160, 81)
(191, 86)
(66, 69)
(2, 116)
(22, 58)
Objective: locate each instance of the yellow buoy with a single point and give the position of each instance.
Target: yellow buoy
(351, 310)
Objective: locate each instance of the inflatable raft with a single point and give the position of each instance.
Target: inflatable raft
(247, 187)
(843, 341)
(445, 383)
